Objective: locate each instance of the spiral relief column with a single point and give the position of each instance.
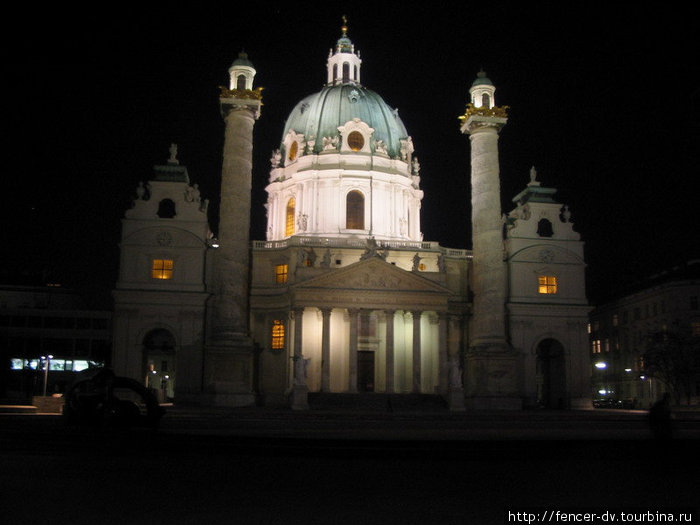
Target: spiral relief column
(228, 369)
(490, 364)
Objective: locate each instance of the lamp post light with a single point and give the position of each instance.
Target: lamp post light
(46, 370)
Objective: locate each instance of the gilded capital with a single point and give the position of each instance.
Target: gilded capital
(249, 94)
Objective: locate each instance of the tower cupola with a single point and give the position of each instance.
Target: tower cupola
(241, 73)
(343, 62)
(482, 92)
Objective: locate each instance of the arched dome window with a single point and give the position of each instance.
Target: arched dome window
(240, 82)
(289, 218)
(485, 100)
(293, 151)
(355, 211)
(346, 72)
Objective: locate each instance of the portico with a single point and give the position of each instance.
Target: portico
(371, 307)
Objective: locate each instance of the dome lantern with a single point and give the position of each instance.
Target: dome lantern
(343, 62)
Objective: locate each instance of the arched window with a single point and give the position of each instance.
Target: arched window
(166, 209)
(293, 150)
(485, 100)
(544, 228)
(289, 218)
(335, 72)
(240, 82)
(346, 71)
(355, 211)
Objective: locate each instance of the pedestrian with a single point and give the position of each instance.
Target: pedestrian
(660, 420)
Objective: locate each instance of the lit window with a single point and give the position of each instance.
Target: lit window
(356, 141)
(293, 150)
(289, 223)
(281, 273)
(355, 210)
(162, 269)
(595, 346)
(547, 284)
(277, 335)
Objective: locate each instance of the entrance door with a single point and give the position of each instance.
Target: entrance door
(159, 361)
(551, 374)
(365, 371)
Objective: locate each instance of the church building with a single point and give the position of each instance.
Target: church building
(344, 295)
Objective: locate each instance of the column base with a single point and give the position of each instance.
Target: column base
(492, 378)
(228, 374)
(455, 399)
(299, 397)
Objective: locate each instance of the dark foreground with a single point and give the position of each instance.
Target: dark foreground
(270, 468)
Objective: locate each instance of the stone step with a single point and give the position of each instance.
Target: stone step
(376, 401)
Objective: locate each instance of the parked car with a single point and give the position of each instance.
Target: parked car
(607, 402)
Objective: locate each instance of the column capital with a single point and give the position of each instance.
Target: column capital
(296, 311)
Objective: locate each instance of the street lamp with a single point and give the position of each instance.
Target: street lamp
(46, 370)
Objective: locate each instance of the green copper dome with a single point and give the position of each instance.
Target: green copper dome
(482, 79)
(319, 115)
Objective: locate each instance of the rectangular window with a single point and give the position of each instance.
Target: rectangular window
(547, 284)
(277, 335)
(595, 346)
(162, 269)
(281, 273)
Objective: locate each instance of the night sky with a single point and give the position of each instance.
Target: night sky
(603, 101)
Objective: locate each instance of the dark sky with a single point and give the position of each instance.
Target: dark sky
(603, 101)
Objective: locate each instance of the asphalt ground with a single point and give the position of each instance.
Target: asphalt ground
(277, 466)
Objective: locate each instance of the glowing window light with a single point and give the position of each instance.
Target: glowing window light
(289, 217)
(547, 284)
(162, 269)
(277, 335)
(600, 365)
(281, 273)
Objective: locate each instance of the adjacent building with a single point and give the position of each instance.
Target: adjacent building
(620, 329)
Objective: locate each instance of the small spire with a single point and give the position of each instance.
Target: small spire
(344, 27)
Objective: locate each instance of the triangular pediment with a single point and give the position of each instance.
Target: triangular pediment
(373, 282)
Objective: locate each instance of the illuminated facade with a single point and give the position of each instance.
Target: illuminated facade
(345, 294)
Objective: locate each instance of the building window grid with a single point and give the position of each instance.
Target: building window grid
(162, 269)
(281, 273)
(277, 335)
(547, 284)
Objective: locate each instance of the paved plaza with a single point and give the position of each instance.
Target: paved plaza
(346, 466)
